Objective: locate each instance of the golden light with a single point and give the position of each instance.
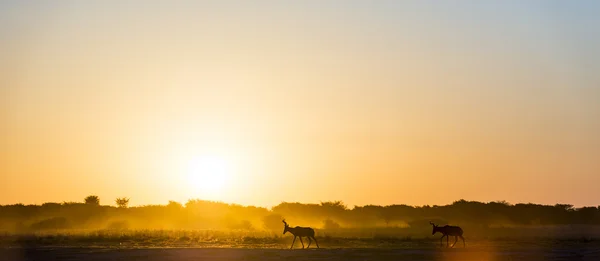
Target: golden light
(208, 174)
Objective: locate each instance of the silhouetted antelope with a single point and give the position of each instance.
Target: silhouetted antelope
(448, 231)
(300, 232)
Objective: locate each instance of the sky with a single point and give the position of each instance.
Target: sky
(259, 102)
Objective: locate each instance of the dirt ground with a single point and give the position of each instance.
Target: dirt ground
(482, 253)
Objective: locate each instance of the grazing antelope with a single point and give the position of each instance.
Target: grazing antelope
(300, 232)
(448, 231)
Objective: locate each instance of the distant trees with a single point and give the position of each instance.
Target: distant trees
(122, 202)
(333, 216)
(387, 215)
(174, 205)
(334, 205)
(92, 200)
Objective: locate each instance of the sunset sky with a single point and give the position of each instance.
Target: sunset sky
(259, 102)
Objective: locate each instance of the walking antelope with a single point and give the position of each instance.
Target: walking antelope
(448, 231)
(300, 232)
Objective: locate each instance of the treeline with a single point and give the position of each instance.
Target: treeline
(200, 214)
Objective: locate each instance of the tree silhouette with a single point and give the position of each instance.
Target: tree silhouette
(498, 217)
(122, 202)
(92, 200)
(174, 205)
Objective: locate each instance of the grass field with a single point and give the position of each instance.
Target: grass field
(238, 245)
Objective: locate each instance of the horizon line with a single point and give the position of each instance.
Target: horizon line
(312, 203)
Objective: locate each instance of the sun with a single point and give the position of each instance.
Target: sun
(208, 174)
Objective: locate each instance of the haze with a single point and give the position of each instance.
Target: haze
(260, 102)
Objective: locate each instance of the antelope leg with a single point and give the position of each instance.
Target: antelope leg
(442, 238)
(455, 240)
(309, 241)
(316, 241)
(447, 241)
(301, 242)
(293, 242)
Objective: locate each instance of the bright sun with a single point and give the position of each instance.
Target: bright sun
(208, 174)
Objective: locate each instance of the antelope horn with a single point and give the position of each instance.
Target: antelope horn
(431, 223)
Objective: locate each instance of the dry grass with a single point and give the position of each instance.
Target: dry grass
(262, 239)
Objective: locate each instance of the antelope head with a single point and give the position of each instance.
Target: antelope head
(434, 228)
(286, 228)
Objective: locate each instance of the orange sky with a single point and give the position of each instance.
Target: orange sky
(369, 103)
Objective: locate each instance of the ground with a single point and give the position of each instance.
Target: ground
(529, 250)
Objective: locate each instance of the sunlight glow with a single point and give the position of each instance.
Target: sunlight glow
(208, 174)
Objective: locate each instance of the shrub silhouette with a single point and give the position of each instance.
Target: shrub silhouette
(92, 200)
(122, 202)
(330, 224)
(118, 225)
(174, 205)
(51, 223)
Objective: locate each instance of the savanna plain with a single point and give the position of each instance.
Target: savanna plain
(493, 231)
(190, 245)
